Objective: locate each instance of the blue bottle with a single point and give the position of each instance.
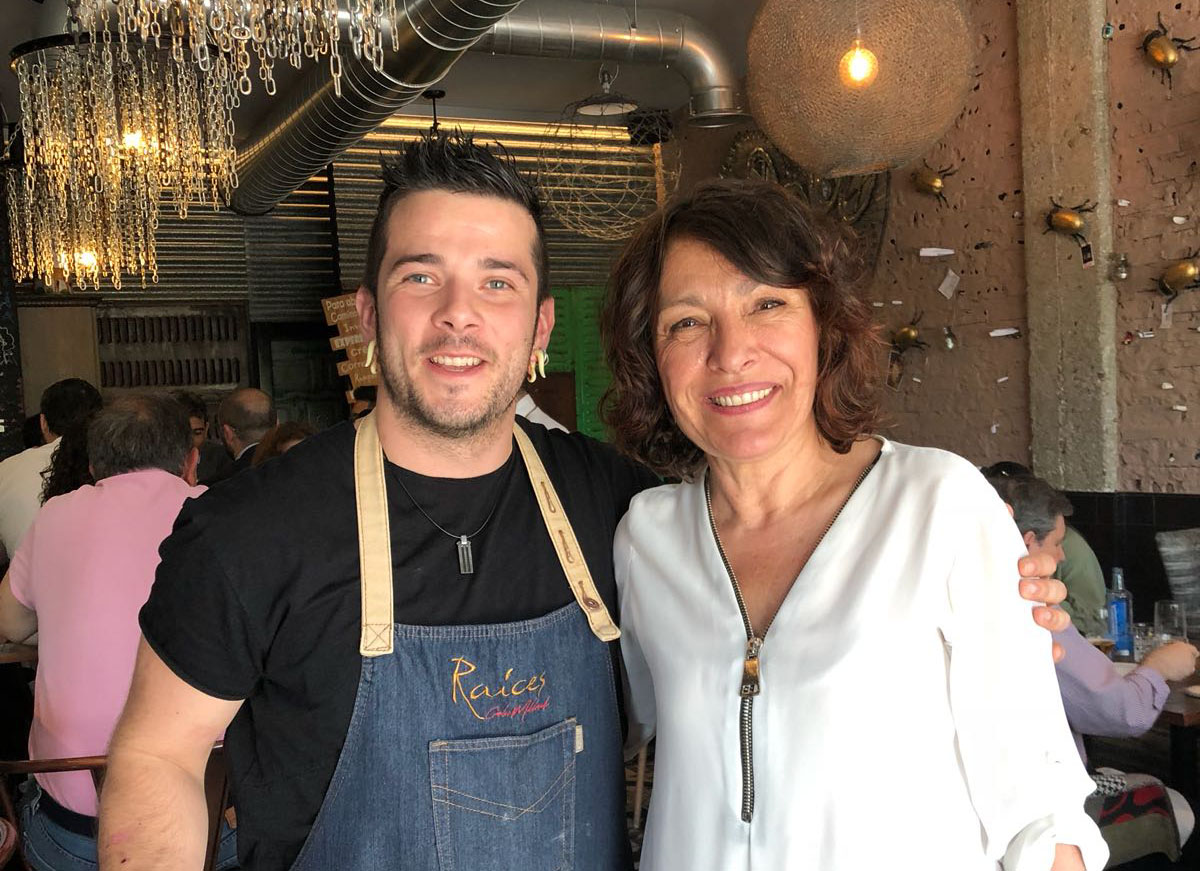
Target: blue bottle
(1120, 617)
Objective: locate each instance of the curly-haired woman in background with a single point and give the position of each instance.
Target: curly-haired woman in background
(69, 469)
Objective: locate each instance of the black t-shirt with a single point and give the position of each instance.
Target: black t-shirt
(257, 596)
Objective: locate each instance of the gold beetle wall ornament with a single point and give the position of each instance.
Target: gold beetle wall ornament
(902, 340)
(907, 336)
(1180, 276)
(1070, 222)
(932, 181)
(1162, 49)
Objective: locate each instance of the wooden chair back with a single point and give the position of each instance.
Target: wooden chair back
(216, 794)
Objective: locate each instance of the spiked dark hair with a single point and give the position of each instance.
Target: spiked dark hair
(451, 160)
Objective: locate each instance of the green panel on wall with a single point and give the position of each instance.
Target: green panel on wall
(575, 347)
(561, 347)
(591, 375)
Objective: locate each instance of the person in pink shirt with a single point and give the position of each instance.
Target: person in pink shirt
(78, 580)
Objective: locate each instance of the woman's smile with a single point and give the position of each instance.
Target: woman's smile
(742, 398)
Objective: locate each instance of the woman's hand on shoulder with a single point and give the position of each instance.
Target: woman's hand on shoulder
(1037, 585)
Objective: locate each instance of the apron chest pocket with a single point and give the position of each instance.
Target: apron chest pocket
(505, 802)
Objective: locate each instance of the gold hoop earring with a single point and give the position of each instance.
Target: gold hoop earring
(372, 363)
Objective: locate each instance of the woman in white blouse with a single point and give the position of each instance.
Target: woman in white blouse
(819, 624)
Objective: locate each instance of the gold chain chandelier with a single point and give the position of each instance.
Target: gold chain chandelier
(244, 32)
(111, 129)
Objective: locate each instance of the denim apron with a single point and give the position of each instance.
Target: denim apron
(475, 747)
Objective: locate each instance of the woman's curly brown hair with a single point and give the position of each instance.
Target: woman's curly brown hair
(768, 234)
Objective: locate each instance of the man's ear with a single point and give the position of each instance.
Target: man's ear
(545, 323)
(1030, 540)
(368, 313)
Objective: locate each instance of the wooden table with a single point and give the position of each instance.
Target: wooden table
(12, 652)
(1182, 715)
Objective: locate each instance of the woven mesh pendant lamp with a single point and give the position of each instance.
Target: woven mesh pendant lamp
(858, 86)
(600, 178)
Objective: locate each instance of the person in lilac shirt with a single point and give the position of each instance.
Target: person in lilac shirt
(1100, 700)
(1097, 697)
(78, 579)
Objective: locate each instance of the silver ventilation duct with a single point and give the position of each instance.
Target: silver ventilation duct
(576, 30)
(311, 125)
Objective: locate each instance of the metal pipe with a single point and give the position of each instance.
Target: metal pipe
(311, 125)
(572, 29)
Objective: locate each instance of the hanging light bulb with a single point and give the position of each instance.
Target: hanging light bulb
(859, 66)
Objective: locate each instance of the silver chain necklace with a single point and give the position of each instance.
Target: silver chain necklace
(466, 558)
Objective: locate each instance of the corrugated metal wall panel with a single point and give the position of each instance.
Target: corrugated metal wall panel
(201, 257)
(575, 259)
(280, 264)
(290, 256)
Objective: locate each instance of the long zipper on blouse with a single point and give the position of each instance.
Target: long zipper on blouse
(751, 684)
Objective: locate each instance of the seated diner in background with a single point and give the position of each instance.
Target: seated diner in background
(1098, 699)
(78, 580)
(65, 405)
(1078, 569)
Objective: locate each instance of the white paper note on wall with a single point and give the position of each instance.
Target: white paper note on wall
(949, 284)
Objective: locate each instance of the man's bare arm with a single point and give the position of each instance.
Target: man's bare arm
(17, 622)
(152, 809)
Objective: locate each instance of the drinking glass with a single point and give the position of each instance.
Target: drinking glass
(1144, 640)
(1170, 624)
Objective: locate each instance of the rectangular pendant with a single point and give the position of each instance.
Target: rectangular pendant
(466, 560)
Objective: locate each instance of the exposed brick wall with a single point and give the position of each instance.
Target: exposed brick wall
(1156, 149)
(958, 400)
(1156, 153)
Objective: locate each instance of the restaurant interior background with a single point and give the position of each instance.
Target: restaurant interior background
(1020, 350)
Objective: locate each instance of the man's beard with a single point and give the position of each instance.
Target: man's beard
(451, 424)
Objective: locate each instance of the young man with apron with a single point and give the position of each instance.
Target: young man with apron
(408, 627)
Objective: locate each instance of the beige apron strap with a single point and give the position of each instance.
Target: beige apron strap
(565, 545)
(374, 541)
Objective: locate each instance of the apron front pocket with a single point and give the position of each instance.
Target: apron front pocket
(506, 801)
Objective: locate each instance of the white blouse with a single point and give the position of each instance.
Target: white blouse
(909, 714)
